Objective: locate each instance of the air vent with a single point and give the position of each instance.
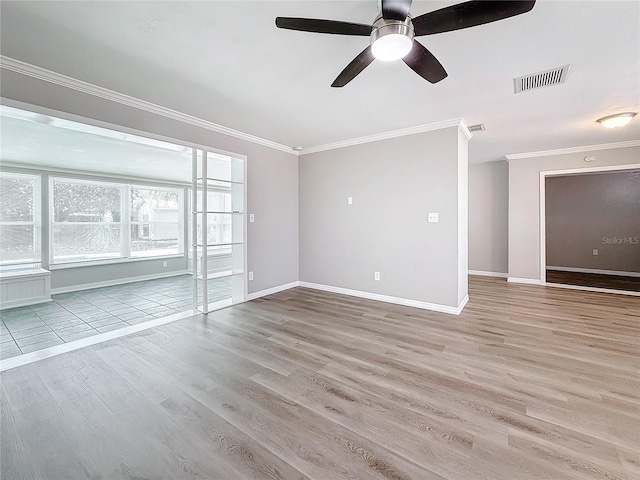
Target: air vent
(477, 128)
(555, 76)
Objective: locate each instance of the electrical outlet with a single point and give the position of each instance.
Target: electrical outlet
(349, 200)
(595, 251)
(252, 218)
(164, 264)
(376, 275)
(433, 218)
(250, 276)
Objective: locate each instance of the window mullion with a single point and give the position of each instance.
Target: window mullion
(125, 221)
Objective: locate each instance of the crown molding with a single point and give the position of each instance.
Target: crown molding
(464, 128)
(585, 148)
(39, 73)
(49, 76)
(456, 122)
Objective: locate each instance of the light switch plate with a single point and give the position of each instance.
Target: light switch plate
(250, 276)
(252, 218)
(433, 218)
(349, 200)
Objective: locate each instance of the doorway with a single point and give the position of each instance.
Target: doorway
(591, 228)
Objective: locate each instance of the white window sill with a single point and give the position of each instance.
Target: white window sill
(115, 261)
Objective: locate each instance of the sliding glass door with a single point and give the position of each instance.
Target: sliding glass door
(217, 230)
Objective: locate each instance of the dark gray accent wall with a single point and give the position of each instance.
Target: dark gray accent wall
(394, 184)
(489, 217)
(272, 175)
(595, 211)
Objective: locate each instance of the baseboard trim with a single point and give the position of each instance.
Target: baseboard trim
(388, 299)
(482, 273)
(526, 281)
(593, 289)
(112, 283)
(272, 290)
(592, 270)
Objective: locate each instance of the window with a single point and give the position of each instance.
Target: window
(155, 222)
(86, 221)
(19, 220)
(105, 221)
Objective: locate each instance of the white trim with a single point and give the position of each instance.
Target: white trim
(456, 122)
(606, 168)
(593, 270)
(39, 73)
(542, 227)
(389, 299)
(463, 304)
(27, 358)
(272, 290)
(119, 281)
(593, 289)
(55, 78)
(482, 273)
(464, 128)
(38, 290)
(527, 281)
(581, 149)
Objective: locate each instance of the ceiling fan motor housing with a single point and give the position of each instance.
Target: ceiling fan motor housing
(391, 39)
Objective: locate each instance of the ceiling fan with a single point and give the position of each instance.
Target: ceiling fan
(393, 31)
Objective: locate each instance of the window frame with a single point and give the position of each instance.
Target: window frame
(181, 240)
(36, 222)
(125, 186)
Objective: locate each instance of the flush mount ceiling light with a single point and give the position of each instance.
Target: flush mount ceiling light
(391, 39)
(617, 120)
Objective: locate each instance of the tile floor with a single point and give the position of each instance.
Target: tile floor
(76, 315)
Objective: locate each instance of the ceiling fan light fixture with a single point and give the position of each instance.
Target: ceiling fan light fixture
(617, 120)
(391, 39)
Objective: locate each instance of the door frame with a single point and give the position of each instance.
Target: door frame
(543, 219)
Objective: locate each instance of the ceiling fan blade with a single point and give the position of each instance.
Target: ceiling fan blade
(468, 14)
(323, 26)
(395, 9)
(422, 61)
(356, 66)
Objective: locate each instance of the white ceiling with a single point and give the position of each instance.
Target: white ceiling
(52, 143)
(227, 63)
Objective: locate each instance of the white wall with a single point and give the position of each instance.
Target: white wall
(524, 201)
(394, 184)
(272, 178)
(489, 217)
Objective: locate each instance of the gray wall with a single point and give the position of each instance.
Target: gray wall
(524, 201)
(394, 184)
(595, 211)
(70, 278)
(272, 179)
(489, 217)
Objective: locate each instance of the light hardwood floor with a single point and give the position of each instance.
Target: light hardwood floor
(528, 382)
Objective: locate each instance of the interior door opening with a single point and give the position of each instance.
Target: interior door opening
(592, 229)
